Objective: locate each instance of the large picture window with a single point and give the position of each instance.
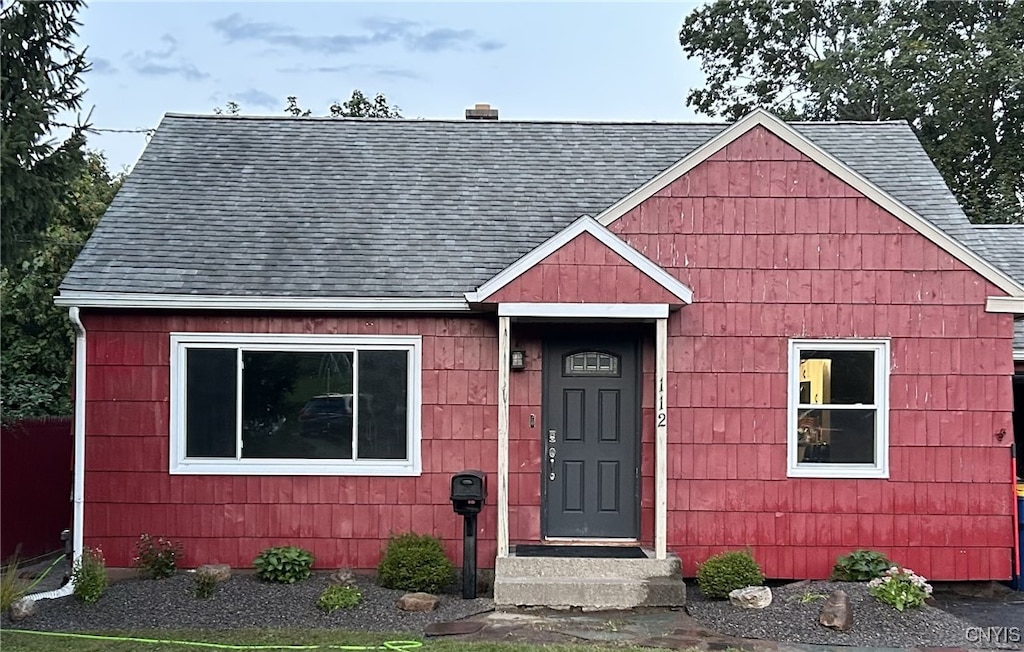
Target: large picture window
(838, 408)
(295, 404)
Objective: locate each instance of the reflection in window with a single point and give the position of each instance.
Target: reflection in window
(591, 363)
(838, 408)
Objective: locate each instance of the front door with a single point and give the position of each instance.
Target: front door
(591, 439)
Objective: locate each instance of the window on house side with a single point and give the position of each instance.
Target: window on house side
(838, 421)
(292, 404)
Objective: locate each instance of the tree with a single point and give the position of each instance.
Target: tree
(40, 72)
(357, 106)
(953, 70)
(37, 335)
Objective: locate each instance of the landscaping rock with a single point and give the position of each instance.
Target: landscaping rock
(219, 572)
(342, 577)
(418, 602)
(836, 612)
(23, 608)
(752, 597)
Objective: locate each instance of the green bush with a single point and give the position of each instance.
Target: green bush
(285, 564)
(12, 587)
(860, 566)
(206, 584)
(414, 562)
(156, 558)
(338, 596)
(89, 575)
(900, 588)
(726, 572)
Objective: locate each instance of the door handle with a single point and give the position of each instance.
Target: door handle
(552, 439)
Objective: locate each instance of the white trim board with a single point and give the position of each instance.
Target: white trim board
(589, 225)
(1013, 305)
(231, 302)
(762, 118)
(585, 310)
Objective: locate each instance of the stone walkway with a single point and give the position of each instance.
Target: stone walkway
(653, 628)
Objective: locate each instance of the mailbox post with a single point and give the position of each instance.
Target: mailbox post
(469, 491)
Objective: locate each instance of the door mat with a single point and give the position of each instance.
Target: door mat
(590, 552)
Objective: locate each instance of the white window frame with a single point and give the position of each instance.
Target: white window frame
(182, 465)
(880, 469)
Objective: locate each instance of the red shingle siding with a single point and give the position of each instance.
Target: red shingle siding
(583, 270)
(344, 521)
(774, 248)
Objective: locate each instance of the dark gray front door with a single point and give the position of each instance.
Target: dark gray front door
(591, 439)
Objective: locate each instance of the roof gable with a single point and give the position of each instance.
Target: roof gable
(761, 118)
(586, 225)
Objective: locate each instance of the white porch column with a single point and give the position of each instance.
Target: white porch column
(660, 440)
(503, 400)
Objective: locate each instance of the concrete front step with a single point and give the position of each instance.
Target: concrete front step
(561, 582)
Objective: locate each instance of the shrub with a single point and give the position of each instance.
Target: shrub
(900, 587)
(89, 575)
(156, 558)
(726, 572)
(285, 564)
(338, 596)
(860, 566)
(414, 562)
(206, 584)
(12, 587)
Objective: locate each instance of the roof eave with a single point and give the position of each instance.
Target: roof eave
(86, 299)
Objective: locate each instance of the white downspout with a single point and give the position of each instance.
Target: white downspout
(78, 489)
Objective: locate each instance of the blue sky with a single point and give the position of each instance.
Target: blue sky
(575, 61)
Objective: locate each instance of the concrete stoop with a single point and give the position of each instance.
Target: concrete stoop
(561, 583)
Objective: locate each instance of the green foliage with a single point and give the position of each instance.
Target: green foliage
(36, 335)
(40, 71)
(285, 564)
(414, 562)
(89, 575)
(726, 572)
(900, 588)
(954, 70)
(860, 566)
(156, 558)
(338, 596)
(206, 584)
(12, 587)
(357, 106)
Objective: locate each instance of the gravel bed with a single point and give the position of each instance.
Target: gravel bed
(241, 602)
(875, 624)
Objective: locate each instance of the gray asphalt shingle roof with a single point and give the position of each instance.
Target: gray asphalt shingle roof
(405, 208)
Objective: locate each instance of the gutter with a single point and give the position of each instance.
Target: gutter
(78, 487)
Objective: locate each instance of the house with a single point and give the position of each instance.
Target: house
(687, 337)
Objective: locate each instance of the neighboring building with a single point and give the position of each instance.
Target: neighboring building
(781, 337)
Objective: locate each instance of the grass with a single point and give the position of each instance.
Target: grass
(21, 642)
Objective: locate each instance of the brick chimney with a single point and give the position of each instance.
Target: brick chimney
(482, 112)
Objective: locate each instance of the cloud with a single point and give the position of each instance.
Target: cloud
(374, 31)
(157, 62)
(103, 66)
(489, 45)
(384, 72)
(170, 47)
(258, 98)
(185, 70)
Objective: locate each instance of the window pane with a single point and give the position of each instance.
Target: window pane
(296, 405)
(591, 363)
(836, 436)
(210, 380)
(383, 404)
(837, 377)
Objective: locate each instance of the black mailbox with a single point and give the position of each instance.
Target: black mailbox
(469, 491)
